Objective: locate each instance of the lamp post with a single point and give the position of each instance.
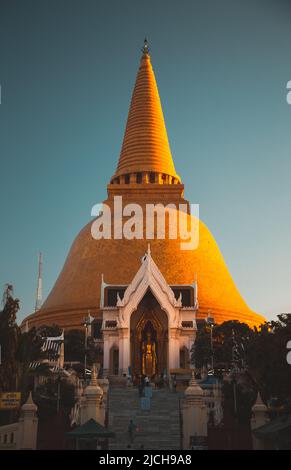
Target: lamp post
(87, 324)
(59, 393)
(210, 321)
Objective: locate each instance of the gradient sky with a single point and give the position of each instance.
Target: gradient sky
(67, 69)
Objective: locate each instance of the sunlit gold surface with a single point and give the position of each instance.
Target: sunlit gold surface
(145, 145)
(78, 286)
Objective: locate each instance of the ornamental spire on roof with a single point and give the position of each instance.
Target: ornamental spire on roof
(145, 145)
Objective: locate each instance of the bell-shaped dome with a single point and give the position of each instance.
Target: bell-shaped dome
(77, 288)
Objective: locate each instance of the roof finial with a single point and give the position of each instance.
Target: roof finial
(145, 48)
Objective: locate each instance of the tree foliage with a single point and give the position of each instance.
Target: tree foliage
(74, 345)
(267, 360)
(9, 338)
(261, 353)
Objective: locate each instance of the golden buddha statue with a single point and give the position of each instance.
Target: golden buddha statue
(149, 356)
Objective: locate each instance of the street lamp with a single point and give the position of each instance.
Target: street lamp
(210, 321)
(87, 324)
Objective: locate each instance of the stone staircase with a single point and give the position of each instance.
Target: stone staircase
(158, 428)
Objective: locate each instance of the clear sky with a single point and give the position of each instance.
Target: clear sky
(67, 69)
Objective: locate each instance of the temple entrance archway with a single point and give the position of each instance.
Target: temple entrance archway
(149, 338)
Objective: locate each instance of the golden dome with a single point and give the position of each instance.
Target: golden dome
(145, 145)
(78, 286)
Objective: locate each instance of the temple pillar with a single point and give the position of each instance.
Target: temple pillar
(160, 178)
(132, 178)
(174, 348)
(106, 353)
(124, 350)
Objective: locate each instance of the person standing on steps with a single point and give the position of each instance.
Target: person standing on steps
(140, 389)
(174, 383)
(141, 385)
(156, 381)
(131, 431)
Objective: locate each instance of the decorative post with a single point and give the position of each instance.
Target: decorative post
(92, 406)
(259, 418)
(194, 417)
(28, 424)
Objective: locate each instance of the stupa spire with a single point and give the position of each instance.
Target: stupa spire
(145, 150)
(145, 49)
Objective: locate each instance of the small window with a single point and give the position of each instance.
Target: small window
(127, 179)
(110, 324)
(139, 178)
(187, 295)
(152, 177)
(112, 295)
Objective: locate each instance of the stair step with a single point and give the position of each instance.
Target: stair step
(159, 428)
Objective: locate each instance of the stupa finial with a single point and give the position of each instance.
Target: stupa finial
(192, 382)
(94, 376)
(145, 48)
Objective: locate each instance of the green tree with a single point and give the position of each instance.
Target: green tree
(224, 338)
(74, 345)
(266, 358)
(28, 350)
(201, 350)
(9, 337)
(231, 341)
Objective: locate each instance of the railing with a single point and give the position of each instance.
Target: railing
(8, 436)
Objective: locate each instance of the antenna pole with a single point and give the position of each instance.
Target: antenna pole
(38, 300)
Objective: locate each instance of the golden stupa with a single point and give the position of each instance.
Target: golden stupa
(145, 173)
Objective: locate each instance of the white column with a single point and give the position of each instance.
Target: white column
(106, 353)
(174, 348)
(124, 350)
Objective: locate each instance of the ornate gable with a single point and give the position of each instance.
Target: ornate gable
(149, 277)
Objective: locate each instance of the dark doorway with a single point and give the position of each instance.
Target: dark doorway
(149, 338)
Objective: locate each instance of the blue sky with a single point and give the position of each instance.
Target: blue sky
(67, 70)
